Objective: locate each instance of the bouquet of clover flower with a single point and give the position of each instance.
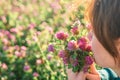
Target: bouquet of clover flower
(76, 49)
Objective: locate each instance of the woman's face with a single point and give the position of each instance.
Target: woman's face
(101, 55)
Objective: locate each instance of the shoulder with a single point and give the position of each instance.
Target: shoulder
(108, 74)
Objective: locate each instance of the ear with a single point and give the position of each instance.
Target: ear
(117, 43)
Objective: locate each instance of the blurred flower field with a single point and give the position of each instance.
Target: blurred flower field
(27, 33)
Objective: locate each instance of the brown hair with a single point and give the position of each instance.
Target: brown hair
(104, 16)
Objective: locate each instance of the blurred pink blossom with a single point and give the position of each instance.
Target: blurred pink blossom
(55, 6)
(24, 48)
(51, 48)
(75, 62)
(29, 41)
(14, 30)
(18, 54)
(16, 9)
(1, 35)
(50, 29)
(88, 48)
(35, 13)
(4, 66)
(4, 19)
(88, 60)
(61, 35)
(35, 38)
(89, 27)
(65, 60)
(75, 30)
(5, 41)
(72, 45)
(35, 74)
(90, 35)
(17, 47)
(39, 61)
(85, 68)
(6, 33)
(62, 53)
(20, 17)
(12, 37)
(82, 42)
(20, 28)
(82, 46)
(38, 33)
(5, 47)
(31, 26)
(49, 56)
(26, 67)
(23, 53)
(34, 1)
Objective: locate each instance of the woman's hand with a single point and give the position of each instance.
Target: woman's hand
(75, 76)
(93, 75)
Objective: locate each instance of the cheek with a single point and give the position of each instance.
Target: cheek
(96, 52)
(95, 49)
(95, 46)
(102, 57)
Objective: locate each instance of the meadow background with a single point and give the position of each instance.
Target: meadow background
(27, 31)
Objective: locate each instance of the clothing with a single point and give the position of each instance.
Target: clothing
(108, 74)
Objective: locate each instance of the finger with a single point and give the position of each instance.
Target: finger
(70, 72)
(92, 77)
(81, 75)
(93, 69)
(75, 75)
